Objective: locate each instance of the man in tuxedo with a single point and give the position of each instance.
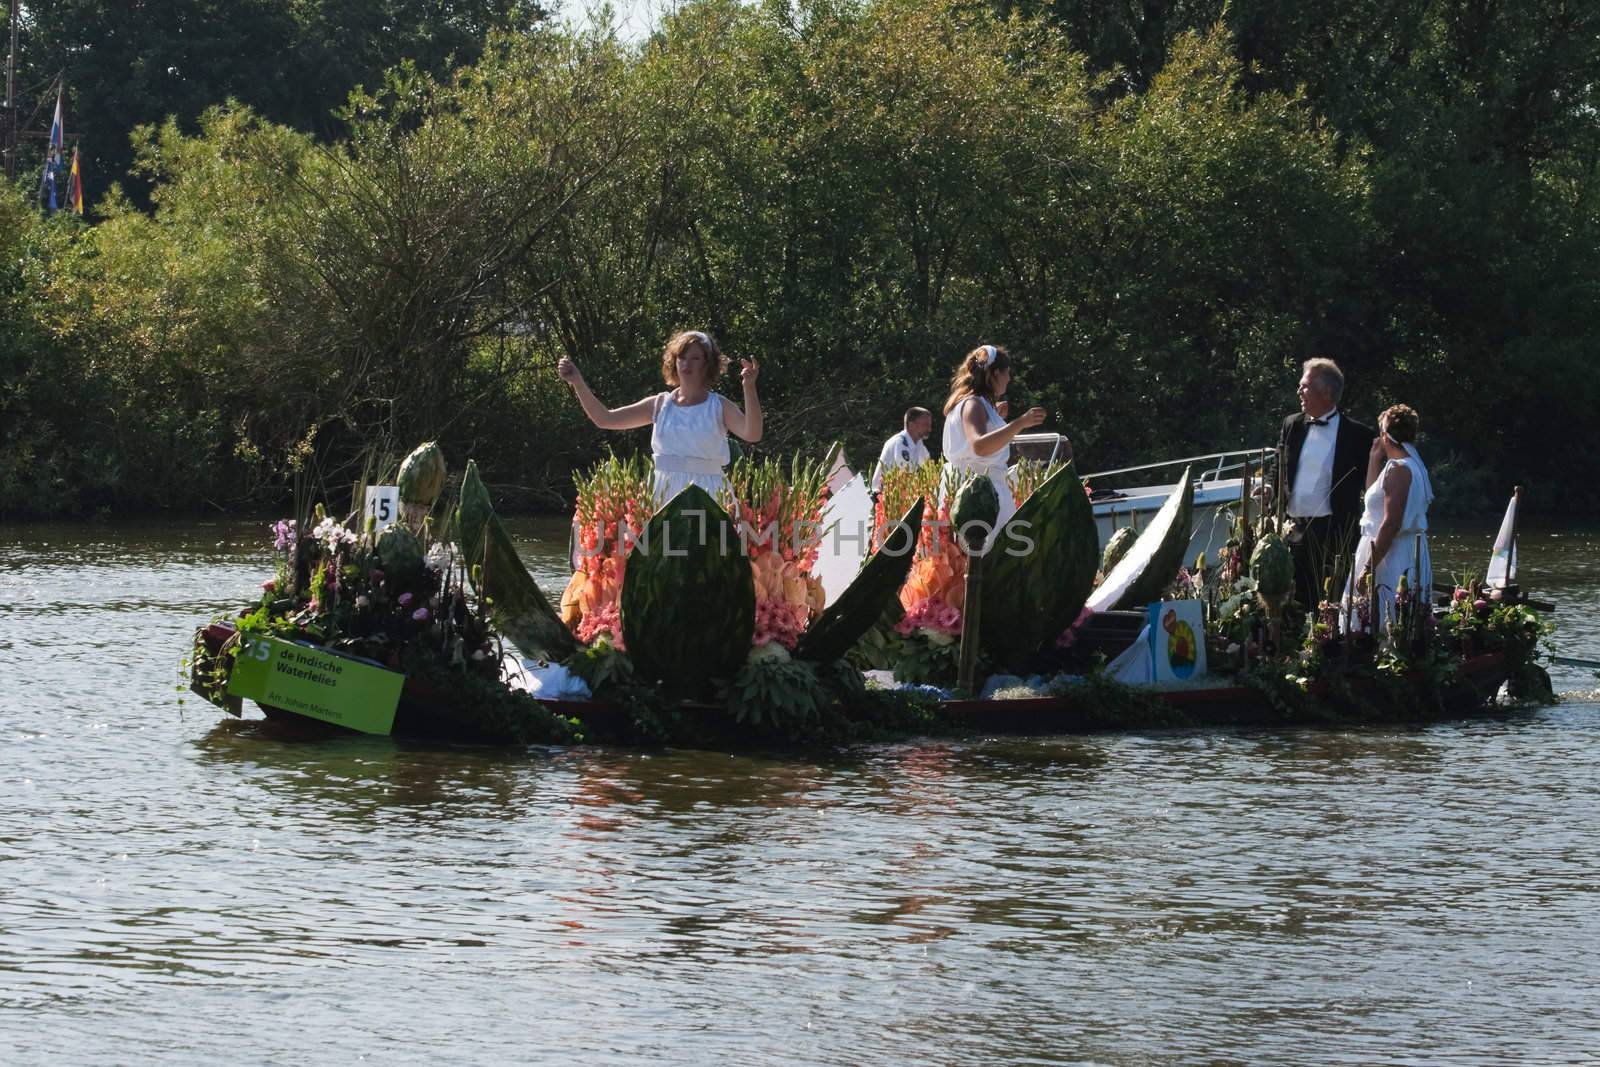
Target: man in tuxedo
(1322, 465)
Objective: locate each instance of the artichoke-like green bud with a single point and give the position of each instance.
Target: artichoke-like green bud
(421, 478)
(977, 504)
(1272, 566)
(399, 550)
(1117, 547)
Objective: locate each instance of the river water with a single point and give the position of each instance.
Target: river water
(179, 887)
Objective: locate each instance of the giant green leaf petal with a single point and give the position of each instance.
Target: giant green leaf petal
(1038, 573)
(516, 606)
(688, 595)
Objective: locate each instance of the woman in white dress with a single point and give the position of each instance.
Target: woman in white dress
(1394, 523)
(689, 441)
(977, 438)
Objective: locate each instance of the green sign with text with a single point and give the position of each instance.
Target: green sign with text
(317, 683)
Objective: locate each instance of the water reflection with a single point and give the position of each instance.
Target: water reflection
(353, 778)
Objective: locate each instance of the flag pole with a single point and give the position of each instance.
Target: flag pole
(11, 95)
(54, 145)
(1516, 520)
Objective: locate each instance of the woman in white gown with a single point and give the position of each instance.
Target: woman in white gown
(1394, 524)
(977, 438)
(691, 422)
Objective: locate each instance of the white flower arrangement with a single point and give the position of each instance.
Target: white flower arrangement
(333, 534)
(1243, 592)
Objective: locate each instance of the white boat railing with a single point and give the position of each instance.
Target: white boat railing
(1216, 472)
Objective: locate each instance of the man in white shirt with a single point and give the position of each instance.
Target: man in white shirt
(904, 449)
(1322, 463)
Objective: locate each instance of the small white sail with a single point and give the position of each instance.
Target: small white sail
(846, 537)
(1503, 563)
(839, 472)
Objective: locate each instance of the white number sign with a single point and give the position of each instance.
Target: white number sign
(383, 504)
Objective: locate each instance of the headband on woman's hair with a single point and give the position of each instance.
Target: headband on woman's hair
(699, 336)
(989, 354)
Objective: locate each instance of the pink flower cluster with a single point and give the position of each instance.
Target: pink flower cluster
(607, 619)
(780, 621)
(930, 613)
(283, 535)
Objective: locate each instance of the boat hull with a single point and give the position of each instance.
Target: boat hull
(421, 712)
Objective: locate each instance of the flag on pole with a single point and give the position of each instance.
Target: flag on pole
(52, 155)
(58, 128)
(1503, 563)
(75, 185)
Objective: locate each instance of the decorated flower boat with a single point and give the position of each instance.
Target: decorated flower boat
(703, 621)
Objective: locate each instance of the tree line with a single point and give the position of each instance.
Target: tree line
(1161, 209)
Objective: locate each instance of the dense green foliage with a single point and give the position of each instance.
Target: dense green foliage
(293, 61)
(1159, 209)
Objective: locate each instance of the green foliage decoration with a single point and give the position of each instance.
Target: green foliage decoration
(1038, 591)
(688, 595)
(517, 606)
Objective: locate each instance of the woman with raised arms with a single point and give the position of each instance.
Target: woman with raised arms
(977, 438)
(689, 442)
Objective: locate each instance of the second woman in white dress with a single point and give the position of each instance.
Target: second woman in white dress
(691, 422)
(1394, 522)
(977, 438)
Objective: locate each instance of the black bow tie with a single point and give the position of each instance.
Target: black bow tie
(1318, 422)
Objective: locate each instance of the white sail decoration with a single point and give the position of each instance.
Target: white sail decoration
(1503, 563)
(846, 537)
(839, 472)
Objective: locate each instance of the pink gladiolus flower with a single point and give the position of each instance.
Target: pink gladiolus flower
(420, 615)
(405, 599)
(270, 586)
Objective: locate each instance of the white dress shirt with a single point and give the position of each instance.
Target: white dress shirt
(898, 451)
(1313, 476)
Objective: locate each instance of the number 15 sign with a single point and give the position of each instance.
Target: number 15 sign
(383, 505)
